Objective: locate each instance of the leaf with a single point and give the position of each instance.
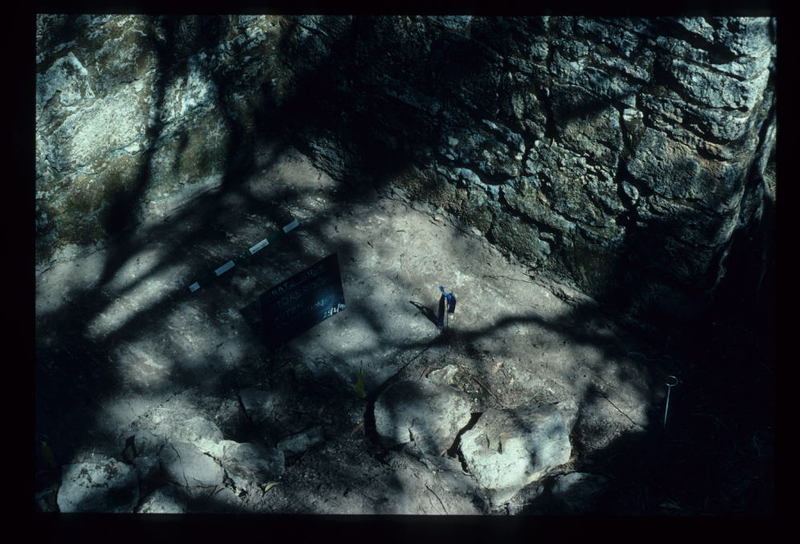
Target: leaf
(269, 485)
(359, 385)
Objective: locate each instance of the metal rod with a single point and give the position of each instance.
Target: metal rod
(672, 381)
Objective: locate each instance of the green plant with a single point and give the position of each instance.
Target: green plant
(358, 387)
(269, 485)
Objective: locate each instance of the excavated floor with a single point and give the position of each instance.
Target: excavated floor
(121, 338)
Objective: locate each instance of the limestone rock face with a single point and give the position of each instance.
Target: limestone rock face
(130, 116)
(509, 449)
(573, 142)
(613, 151)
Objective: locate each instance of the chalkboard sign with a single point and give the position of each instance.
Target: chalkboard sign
(304, 300)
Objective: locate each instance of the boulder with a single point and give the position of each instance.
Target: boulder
(199, 431)
(173, 422)
(187, 466)
(300, 442)
(509, 449)
(250, 464)
(164, 500)
(428, 484)
(98, 484)
(428, 414)
(443, 376)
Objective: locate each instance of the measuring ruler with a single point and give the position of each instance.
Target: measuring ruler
(242, 257)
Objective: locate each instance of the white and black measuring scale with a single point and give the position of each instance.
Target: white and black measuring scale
(296, 304)
(242, 257)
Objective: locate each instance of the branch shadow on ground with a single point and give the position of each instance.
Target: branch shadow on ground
(75, 376)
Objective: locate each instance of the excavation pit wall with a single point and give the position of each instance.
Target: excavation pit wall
(622, 155)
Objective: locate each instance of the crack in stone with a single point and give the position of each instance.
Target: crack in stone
(437, 497)
(455, 449)
(183, 469)
(619, 410)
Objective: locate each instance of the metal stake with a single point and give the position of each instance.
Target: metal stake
(672, 381)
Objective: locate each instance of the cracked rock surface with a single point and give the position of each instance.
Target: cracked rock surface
(419, 411)
(509, 449)
(185, 465)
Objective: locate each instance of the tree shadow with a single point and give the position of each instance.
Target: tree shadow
(75, 375)
(120, 217)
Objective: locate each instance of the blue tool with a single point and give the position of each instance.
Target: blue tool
(447, 305)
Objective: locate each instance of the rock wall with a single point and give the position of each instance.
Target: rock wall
(624, 154)
(137, 114)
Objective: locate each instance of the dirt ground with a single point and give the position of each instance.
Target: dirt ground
(122, 342)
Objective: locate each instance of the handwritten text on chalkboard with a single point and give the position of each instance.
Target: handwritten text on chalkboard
(302, 301)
